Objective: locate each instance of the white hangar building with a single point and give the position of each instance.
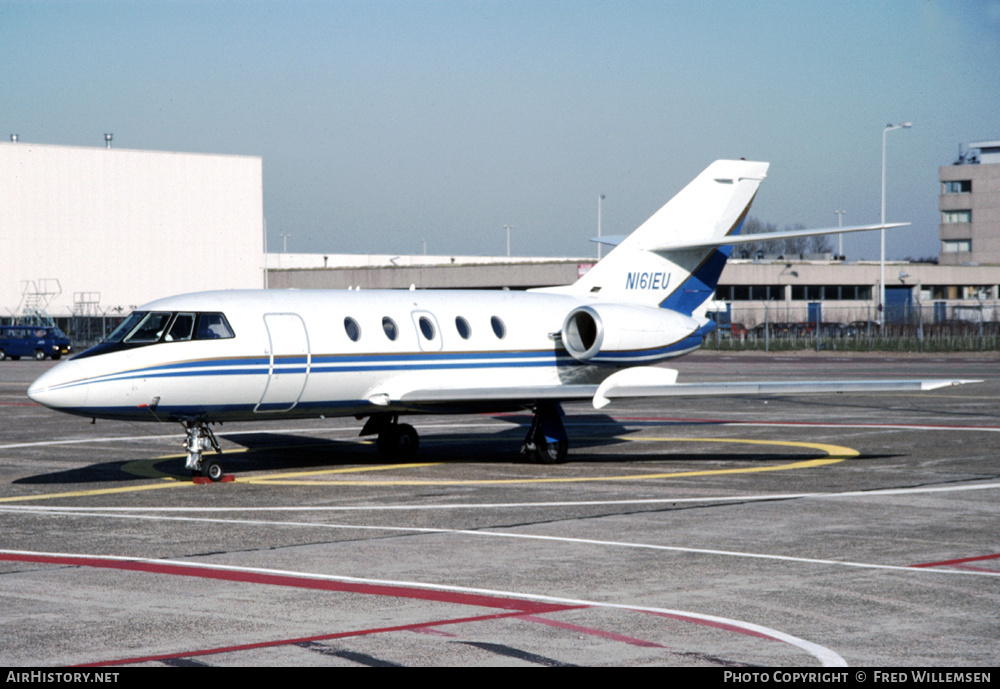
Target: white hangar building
(88, 231)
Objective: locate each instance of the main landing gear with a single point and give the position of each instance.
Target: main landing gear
(546, 442)
(201, 439)
(395, 440)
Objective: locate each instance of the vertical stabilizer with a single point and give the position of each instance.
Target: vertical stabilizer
(641, 271)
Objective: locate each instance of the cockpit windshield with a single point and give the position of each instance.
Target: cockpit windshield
(150, 327)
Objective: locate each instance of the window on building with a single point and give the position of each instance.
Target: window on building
(962, 186)
(949, 217)
(954, 246)
(749, 292)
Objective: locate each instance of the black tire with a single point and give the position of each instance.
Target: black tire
(212, 470)
(407, 440)
(3, 355)
(399, 441)
(549, 451)
(39, 355)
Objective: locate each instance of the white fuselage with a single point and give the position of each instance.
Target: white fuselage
(297, 354)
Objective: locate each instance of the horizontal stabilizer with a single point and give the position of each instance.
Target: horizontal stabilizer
(609, 239)
(732, 240)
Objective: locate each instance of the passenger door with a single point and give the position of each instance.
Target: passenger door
(288, 348)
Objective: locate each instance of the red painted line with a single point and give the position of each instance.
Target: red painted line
(482, 601)
(945, 563)
(592, 632)
(305, 639)
(517, 607)
(976, 569)
(717, 625)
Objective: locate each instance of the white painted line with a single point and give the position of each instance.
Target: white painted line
(637, 423)
(514, 505)
(497, 534)
(827, 657)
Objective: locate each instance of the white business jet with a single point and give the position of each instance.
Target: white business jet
(249, 355)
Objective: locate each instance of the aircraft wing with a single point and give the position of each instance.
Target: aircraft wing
(525, 393)
(648, 381)
(805, 387)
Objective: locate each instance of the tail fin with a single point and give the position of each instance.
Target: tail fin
(654, 265)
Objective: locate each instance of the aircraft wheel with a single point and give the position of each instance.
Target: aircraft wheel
(550, 452)
(398, 440)
(212, 470)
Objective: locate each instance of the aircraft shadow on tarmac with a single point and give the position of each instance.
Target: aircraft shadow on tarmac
(269, 451)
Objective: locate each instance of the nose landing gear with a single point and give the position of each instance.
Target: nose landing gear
(201, 439)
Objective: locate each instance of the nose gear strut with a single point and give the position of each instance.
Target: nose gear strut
(200, 438)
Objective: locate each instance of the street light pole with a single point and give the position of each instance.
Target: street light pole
(881, 285)
(840, 237)
(599, 199)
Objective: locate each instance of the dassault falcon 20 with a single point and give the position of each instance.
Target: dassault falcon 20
(211, 357)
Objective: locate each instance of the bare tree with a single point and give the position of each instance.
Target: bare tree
(781, 247)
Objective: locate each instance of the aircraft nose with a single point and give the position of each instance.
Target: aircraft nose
(62, 387)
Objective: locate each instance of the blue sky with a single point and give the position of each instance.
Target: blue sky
(384, 123)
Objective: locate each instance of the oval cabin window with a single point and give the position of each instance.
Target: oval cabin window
(352, 329)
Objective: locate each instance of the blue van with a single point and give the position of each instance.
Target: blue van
(38, 341)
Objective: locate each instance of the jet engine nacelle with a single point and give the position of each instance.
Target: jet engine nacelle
(608, 329)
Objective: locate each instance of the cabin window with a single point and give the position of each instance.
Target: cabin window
(389, 326)
(352, 329)
(427, 327)
(499, 329)
(463, 328)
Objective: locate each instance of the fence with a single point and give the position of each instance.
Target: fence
(915, 328)
(910, 327)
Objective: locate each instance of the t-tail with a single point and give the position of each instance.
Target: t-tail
(674, 259)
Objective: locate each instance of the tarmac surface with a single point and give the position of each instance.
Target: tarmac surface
(853, 530)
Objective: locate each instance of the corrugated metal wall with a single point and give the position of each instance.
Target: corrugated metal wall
(130, 225)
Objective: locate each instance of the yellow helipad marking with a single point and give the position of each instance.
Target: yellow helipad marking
(146, 468)
(835, 454)
(167, 483)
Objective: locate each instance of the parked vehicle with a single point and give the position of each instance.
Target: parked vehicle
(36, 341)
